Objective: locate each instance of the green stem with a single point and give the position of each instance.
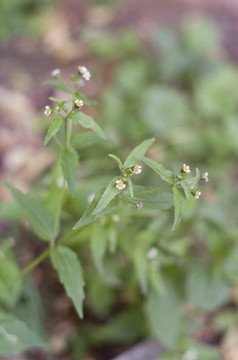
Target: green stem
(35, 262)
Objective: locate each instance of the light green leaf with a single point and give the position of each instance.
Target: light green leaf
(87, 122)
(165, 175)
(40, 217)
(196, 179)
(16, 336)
(179, 199)
(10, 283)
(117, 160)
(163, 313)
(206, 290)
(130, 186)
(67, 264)
(86, 100)
(98, 245)
(54, 127)
(88, 218)
(185, 188)
(69, 164)
(137, 154)
(59, 102)
(58, 84)
(141, 268)
(110, 193)
(152, 200)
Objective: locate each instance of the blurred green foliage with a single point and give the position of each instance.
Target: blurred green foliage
(21, 16)
(187, 96)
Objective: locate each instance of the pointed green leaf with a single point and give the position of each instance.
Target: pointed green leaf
(54, 127)
(87, 122)
(130, 186)
(88, 218)
(67, 264)
(58, 84)
(117, 160)
(179, 200)
(40, 217)
(185, 188)
(69, 164)
(165, 175)
(152, 200)
(196, 179)
(85, 99)
(137, 154)
(16, 336)
(59, 102)
(110, 193)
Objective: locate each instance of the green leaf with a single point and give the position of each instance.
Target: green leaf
(179, 199)
(110, 193)
(16, 336)
(69, 164)
(10, 283)
(196, 179)
(141, 268)
(40, 217)
(87, 122)
(98, 245)
(85, 99)
(59, 102)
(58, 84)
(137, 154)
(205, 289)
(117, 160)
(165, 175)
(185, 188)
(163, 313)
(67, 264)
(152, 200)
(130, 186)
(54, 127)
(88, 218)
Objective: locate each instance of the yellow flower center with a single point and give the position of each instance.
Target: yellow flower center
(120, 184)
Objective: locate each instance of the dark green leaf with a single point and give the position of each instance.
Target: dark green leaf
(58, 84)
(196, 179)
(179, 199)
(137, 154)
(87, 122)
(69, 163)
(165, 175)
(130, 186)
(16, 336)
(40, 218)
(88, 218)
(110, 193)
(67, 264)
(185, 188)
(152, 200)
(117, 160)
(54, 127)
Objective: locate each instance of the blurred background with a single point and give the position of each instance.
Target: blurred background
(163, 68)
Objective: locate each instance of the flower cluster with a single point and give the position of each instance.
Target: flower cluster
(83, 71)
(185, 170)
(120, 184)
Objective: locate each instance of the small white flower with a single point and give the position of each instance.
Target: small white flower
(115, 218)
(205, 176)
(82, 69)
(190, 354)
(197, 194)
(139, 205)
(152, 253)
(79, 103)
(86, 76)
(55, 73)
(137, 169)
(186, 168)
(120, 184)
(47, 111)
